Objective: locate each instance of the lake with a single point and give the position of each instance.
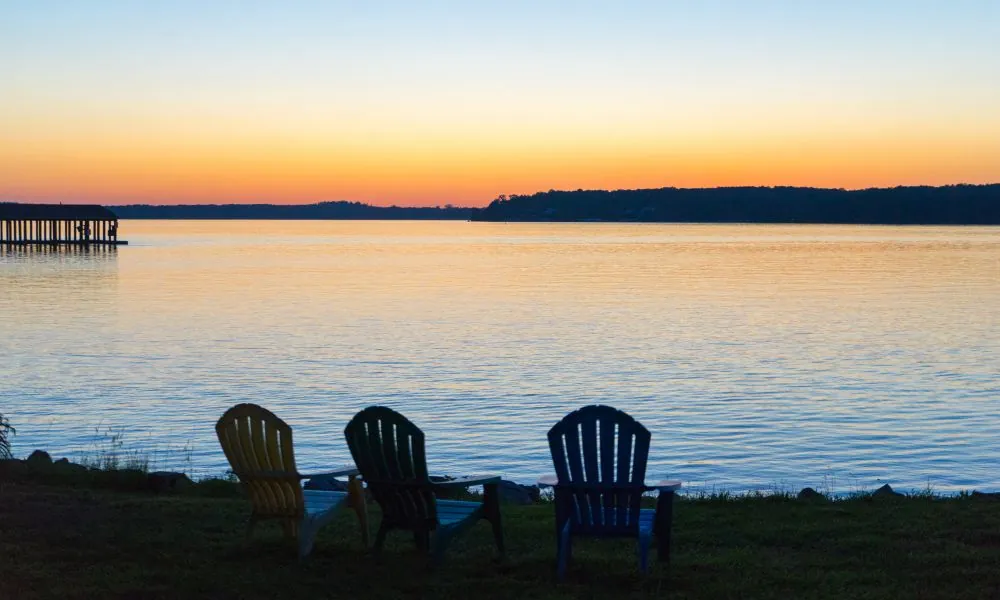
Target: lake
(760, 357)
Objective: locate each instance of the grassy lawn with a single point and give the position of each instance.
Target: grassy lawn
(62, 542)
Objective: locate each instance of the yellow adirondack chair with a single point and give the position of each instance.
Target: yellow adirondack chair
(259, 447)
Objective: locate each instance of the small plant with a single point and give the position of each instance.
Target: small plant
(6, 431)
(188, 452)
(927, 493)
(829, 483)
(110, 453)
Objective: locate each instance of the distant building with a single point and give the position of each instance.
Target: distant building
(23, 224)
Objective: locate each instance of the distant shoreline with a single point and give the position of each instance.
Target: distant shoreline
(270, 212)
(919, 205)
(924, 205)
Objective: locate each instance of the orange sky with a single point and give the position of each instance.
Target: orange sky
(278, 109)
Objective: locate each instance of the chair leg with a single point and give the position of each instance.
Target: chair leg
(380, 539)
(290, 529)
(662, 524)
(423, 541)
(565, 552)
(356, 499)
(441, 539)
(307, 538)
(498, 535)
(644, 542)
(491, 512)
(251, 524)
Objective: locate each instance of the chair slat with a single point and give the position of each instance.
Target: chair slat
(265, 458)
(292, 493)
(375, 450)
(574, 458)
(607, 430)
(640, 455)
(393, 458)
(272, 450)
(623, 474)
(588, 443)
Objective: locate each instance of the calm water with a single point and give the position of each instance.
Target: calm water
(759, 356)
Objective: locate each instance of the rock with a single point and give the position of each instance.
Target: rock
(514, 493)
(214, 487)
(326, 483)
(12, 468)
(39, 459)
(167, 481)
(64, 466)
(448, 493)
(986, 495)
(809, 494)
(886, 491)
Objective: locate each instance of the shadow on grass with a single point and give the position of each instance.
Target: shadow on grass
(81, 542)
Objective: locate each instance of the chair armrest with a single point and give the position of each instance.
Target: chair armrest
(276, 475)
(666, 485)
(548, 480)
(468, 481)
(344, 471)
(663, 486)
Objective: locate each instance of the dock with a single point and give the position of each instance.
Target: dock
(56, 224)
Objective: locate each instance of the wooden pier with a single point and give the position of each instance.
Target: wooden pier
(54, 224)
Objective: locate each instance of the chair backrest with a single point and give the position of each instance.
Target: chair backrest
(259, 447)
(599, 454)
(388, 449)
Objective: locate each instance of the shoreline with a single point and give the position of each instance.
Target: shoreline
(40, 466)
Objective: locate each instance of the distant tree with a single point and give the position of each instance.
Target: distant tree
(947, 205)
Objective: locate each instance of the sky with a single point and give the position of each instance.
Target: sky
(431, 103)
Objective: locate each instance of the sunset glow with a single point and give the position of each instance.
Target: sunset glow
(392, 103)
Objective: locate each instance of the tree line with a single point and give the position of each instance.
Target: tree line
(945, 205)
(322, 210)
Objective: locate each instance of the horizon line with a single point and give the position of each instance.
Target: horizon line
(450, 206)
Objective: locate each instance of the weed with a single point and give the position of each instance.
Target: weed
(110, 453)
(6, 432)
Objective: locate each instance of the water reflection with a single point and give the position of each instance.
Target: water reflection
(757, 355)
(41, 252)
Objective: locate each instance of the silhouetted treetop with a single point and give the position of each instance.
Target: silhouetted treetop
(322, 210)
(946, 205)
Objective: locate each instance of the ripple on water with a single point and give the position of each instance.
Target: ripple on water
(759, 357)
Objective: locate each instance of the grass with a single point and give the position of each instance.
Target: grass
(62, 542)
(109, 452)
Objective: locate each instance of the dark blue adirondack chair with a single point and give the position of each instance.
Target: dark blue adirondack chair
(599, 454)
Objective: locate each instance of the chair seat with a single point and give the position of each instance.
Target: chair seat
(322, 501)
(647, 520)
(451, 512)
(647, 516)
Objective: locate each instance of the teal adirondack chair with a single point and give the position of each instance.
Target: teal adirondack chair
(389, 451)
(600, 454)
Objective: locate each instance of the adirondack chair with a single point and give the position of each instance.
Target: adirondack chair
(259, 447)
(599, 454)
(389, 451)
